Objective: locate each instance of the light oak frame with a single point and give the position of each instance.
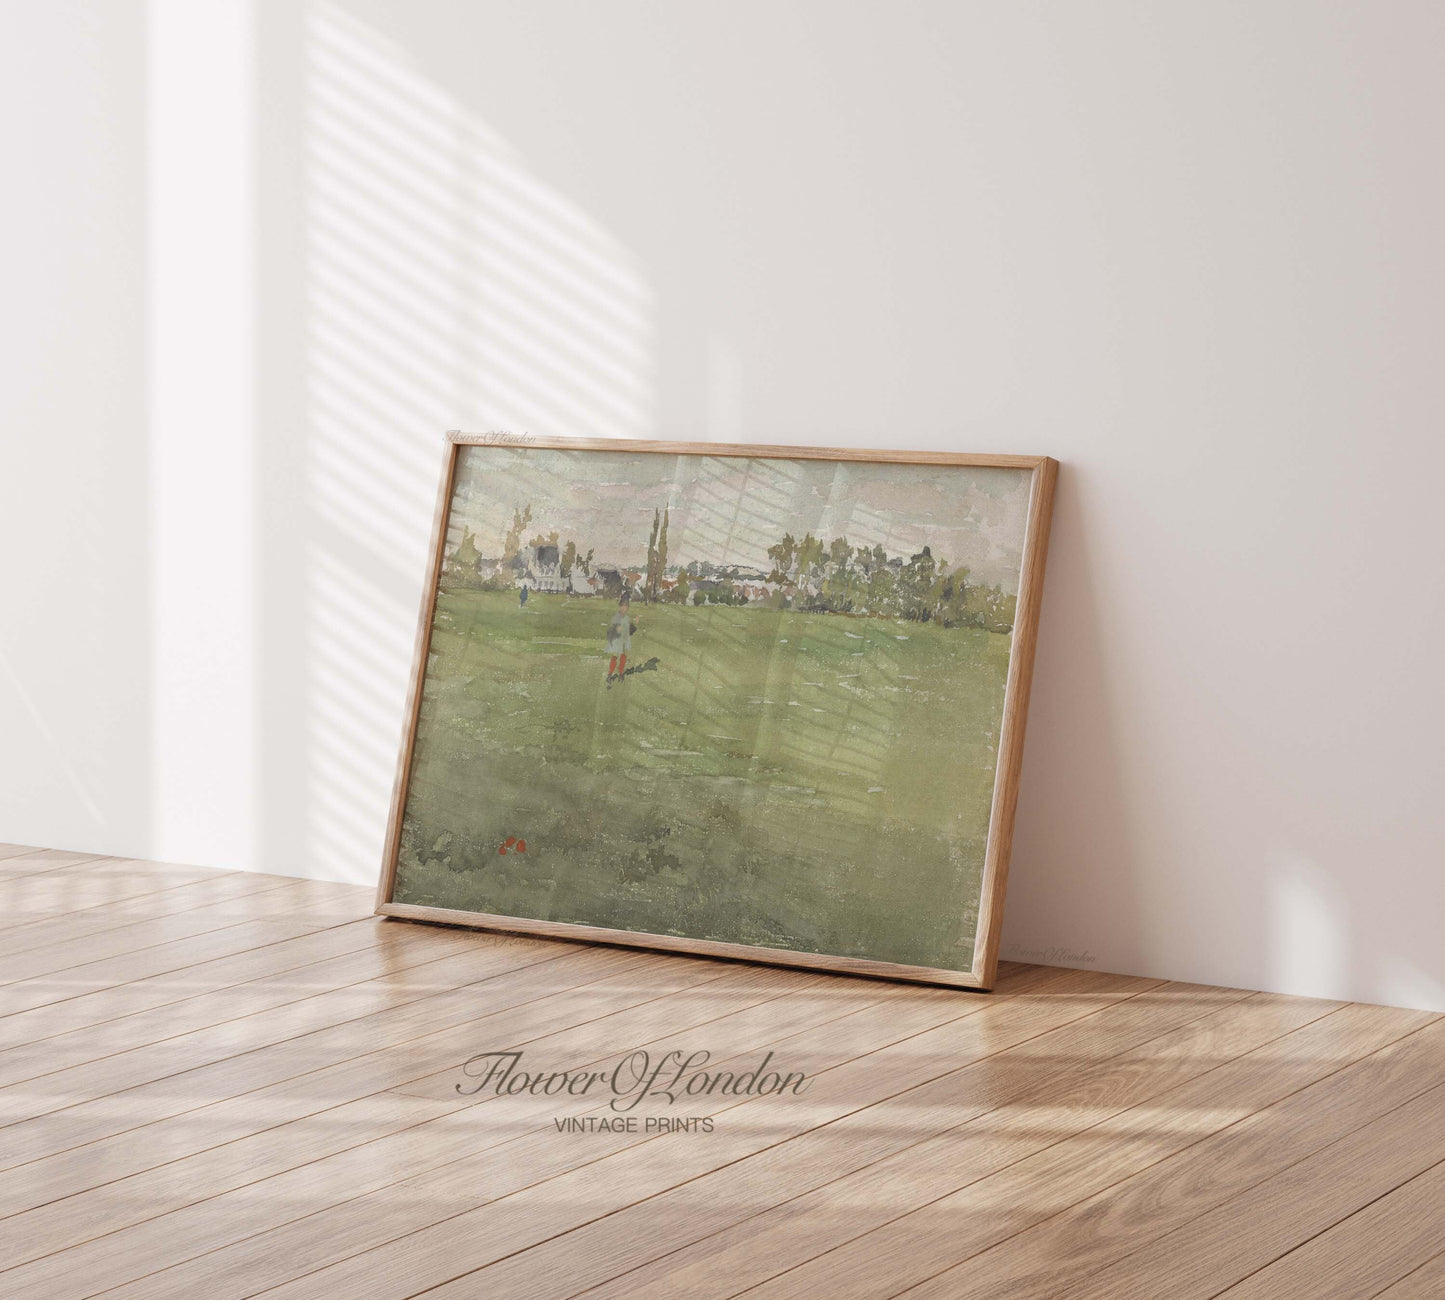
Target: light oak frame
(1044, 472)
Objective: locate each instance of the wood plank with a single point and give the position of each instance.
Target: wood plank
(1050, 1107)
(887, 1012)
(393, 950)
(24, 862)
(1045, 1259)
(509, 970)
(112, 916)
(117, 1001)
(600, 1250)
(741, 1009)
(320, 905)
(539, 999)
(210, 1045)
(497, 1225)
(1379, 1244)
(1000, 1205)
(284, 1119)
(1252, 1230)
(79, 886)
(271, 899)
(1426, 1283)
(18, 850)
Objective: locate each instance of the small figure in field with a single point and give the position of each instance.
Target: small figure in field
(523, 597)
(619, 640)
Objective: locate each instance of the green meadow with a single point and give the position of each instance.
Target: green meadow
(815, 782)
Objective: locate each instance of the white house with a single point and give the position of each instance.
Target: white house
(540, 568)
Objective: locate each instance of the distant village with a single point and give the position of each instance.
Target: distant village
(807, 574)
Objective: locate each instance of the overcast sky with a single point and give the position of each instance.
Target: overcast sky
(730, 510)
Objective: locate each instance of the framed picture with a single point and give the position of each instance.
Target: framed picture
(745, 701)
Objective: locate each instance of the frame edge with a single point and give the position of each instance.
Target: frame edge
(982, 974)
(417, 678)
(689, 947)
(1015, 722)
(759, 451)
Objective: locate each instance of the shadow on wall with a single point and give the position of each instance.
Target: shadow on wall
(1074, 812)
(1114, 858)
(1090, 811)
(437, 283)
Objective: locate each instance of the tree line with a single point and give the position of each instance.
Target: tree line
(808, 574)
(838, 578)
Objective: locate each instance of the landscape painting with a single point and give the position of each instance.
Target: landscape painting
(731, 699)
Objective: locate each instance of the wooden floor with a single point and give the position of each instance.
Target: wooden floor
(216, 1085)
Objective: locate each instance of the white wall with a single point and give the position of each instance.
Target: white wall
(259, 255)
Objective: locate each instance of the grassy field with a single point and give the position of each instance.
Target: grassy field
(804, 781)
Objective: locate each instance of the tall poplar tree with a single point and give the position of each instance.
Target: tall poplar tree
(661, 557)
(649, 581)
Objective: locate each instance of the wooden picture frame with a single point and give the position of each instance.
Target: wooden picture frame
(1040, 473)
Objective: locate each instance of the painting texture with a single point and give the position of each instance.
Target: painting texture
(748, 700)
